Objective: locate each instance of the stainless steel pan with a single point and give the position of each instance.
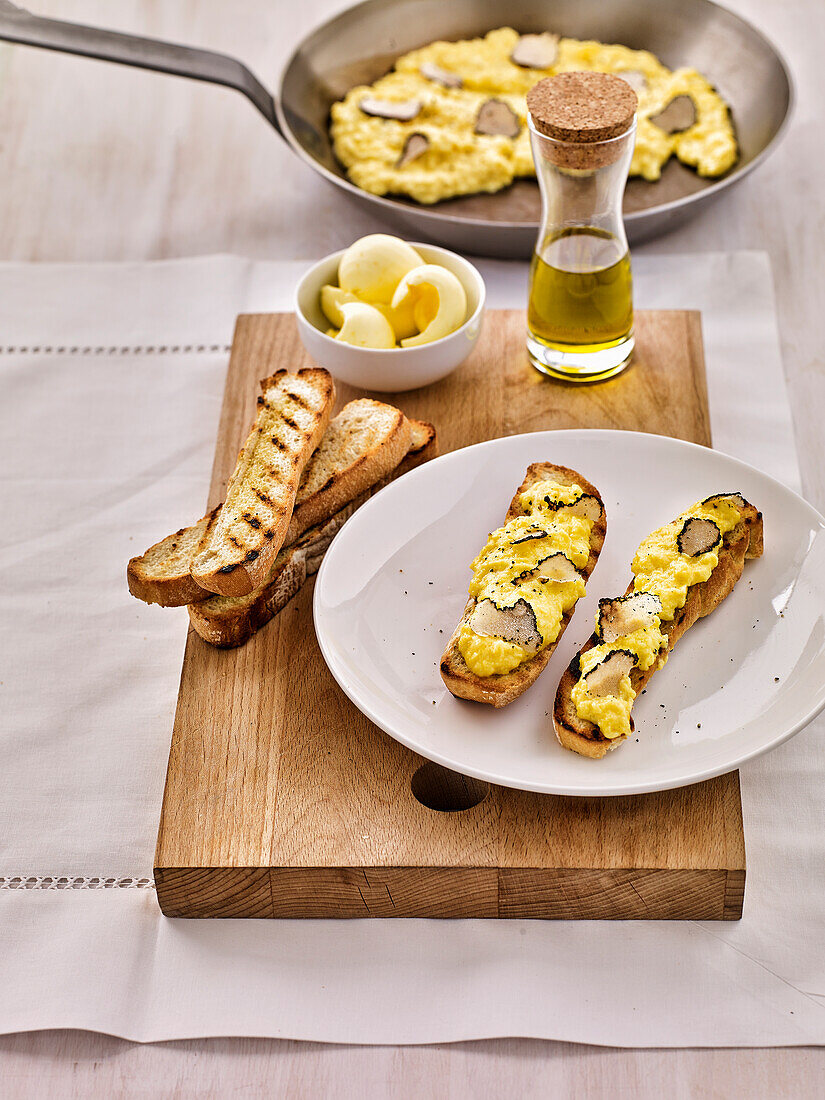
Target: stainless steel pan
(361, 44)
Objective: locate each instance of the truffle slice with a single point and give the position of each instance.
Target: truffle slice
(679, 115)
(496, 118)
(605, 677)
(516, 624)
(555, 567)
(385, 108)
(735, 498)
(530, 535)
(536, 51)
(635, 78)
(587, 506)
(698, 536)
(441, 76)
(414, 147)
(622, 616)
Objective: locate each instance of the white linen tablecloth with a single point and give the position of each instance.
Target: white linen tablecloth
(110, 386)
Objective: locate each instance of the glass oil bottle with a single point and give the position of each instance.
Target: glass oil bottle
(580, 305)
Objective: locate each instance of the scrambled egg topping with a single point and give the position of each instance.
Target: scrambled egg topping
(659, 568)
(504, 572)
(457, 161)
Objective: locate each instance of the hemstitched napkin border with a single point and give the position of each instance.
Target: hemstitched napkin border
(82, 882)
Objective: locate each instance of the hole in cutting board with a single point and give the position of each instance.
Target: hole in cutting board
(440, 789)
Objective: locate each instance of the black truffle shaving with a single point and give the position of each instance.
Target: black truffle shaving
(516, 624)
(737, 498)
(603, 679)
(679, 115)
(498, 119)
(530, 535)
(415, 146)
(626, 614)
(698, 536)
(544, 570)
(586, 505)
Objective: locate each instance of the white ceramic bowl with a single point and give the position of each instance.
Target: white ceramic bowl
(389, 370)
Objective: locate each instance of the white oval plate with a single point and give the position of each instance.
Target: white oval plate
(740, 682)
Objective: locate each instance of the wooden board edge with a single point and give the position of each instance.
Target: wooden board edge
(324, 893)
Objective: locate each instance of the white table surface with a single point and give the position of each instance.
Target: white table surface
(107, 163)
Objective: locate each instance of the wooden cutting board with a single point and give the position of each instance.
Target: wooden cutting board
(283, 800)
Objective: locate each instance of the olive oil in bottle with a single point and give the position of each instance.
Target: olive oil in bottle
(581, 292)
(580, 301)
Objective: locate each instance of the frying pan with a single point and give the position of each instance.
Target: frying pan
(362, 43)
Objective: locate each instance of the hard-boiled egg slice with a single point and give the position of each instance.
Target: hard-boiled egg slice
(372, 267)
(438, 300)
(365, 326)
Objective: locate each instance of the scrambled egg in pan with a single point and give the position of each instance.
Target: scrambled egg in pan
(436, 152)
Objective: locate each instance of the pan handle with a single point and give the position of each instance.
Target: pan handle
(19, 26)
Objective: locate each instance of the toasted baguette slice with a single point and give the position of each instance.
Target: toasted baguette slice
(229, 621)
(499, 690)
(742, 542)
(362, 444)
(423, 446)
(162, 576)
(365, 441)
(293, 413)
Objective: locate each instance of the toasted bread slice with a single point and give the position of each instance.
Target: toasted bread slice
(365, 441)
(293, 413)
(499, 690)
(742, 542)
(423, 446)
(362, 444)
(162, 576)
(229, 621)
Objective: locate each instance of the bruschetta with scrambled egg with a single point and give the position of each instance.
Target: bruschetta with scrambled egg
(681, 572)
(525, 585)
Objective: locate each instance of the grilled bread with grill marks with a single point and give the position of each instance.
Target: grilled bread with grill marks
(229, 621)
(162, 575)
(500, 689)
(739, 544)
(293, 413)
(363, 443)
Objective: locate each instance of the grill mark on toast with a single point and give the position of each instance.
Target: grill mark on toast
(329, 482)
(161, 575)
(227, 623)
(299, 399)
(263, 486)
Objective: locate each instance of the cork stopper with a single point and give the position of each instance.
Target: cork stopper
(583, 109)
